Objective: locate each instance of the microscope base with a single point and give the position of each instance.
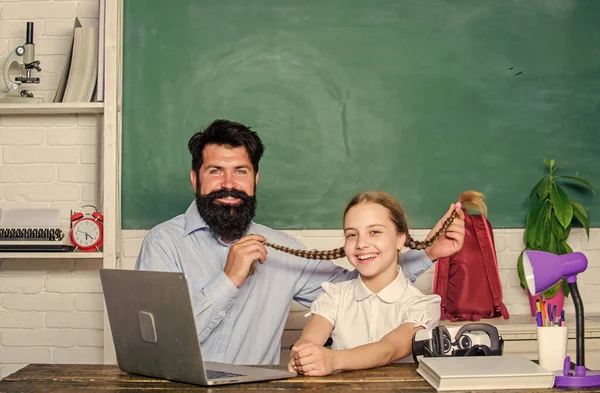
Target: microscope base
(10, 99)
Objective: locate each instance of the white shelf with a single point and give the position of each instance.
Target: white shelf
(51, 255)
(52, 108)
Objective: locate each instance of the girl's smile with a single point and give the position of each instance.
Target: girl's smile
(364, 259)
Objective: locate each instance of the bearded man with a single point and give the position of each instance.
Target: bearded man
(240, 316)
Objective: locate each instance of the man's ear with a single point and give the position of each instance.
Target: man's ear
(256, 180)
(193, 179)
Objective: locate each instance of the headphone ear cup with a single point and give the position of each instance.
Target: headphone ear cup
(464, 342)
(447, 344)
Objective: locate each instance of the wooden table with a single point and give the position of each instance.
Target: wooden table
(68, 378)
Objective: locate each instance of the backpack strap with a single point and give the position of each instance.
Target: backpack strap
(440, 284)
(486, 242)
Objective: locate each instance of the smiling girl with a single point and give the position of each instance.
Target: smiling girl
(372, 319)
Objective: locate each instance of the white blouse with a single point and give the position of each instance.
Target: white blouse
(360, 317)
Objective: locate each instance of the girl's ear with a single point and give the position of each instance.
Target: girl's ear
(401, 241)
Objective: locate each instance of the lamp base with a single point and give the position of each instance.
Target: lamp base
(579, 377)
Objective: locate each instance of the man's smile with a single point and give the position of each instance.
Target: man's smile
(229, 201)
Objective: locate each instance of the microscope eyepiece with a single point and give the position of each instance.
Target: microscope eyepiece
(29, 39)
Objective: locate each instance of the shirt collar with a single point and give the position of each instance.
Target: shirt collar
(193, 220)
(390, 294)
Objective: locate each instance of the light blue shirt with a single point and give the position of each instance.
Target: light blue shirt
(243, 325)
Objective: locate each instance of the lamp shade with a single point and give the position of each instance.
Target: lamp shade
(543, 269)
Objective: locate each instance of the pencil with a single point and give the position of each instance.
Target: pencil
(544, 313)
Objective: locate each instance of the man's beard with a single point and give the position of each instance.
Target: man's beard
(228, 222)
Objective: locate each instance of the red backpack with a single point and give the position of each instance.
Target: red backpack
(468, 281)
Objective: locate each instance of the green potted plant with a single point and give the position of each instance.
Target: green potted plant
(548, 225)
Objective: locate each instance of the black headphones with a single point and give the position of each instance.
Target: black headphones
(441, 343)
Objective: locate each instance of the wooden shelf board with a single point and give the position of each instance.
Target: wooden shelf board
(52, 108)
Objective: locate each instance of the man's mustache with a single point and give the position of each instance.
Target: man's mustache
(225, 193)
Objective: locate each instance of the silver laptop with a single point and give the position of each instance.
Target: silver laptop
(154, 332)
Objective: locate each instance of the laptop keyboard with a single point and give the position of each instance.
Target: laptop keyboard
(213, 374)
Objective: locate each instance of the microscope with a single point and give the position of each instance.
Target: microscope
(23, 59)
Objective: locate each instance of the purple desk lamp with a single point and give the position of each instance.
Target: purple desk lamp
(543, 270)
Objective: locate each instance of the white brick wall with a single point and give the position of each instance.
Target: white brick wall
(51, 310)
(49, 161)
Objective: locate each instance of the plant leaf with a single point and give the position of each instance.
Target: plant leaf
(579, 180)
(532, 223)
(565, 288)
(562, 234)
(541, 188)
(561, 204)
(564, 248)
(544, 234)
(520, 271)
(533, 191)
(553, 245)
(581, 216)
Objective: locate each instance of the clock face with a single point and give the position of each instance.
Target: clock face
(86, 233)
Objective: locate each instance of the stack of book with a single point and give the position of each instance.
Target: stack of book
(78, 81)
(484, 373)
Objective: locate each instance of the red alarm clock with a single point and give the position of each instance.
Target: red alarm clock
(87, 230)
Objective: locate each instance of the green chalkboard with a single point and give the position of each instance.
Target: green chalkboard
(423, 99)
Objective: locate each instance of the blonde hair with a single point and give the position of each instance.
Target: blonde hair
(474, 200)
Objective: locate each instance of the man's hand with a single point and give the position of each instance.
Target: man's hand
(312, 360)
(241, 257)
(451, 241)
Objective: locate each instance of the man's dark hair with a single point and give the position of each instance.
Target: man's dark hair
(226, 133)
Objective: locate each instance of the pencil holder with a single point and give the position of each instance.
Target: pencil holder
(552, 346)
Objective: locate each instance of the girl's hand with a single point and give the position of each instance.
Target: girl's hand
(312, 360)
(291, 364)
(452, 240)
